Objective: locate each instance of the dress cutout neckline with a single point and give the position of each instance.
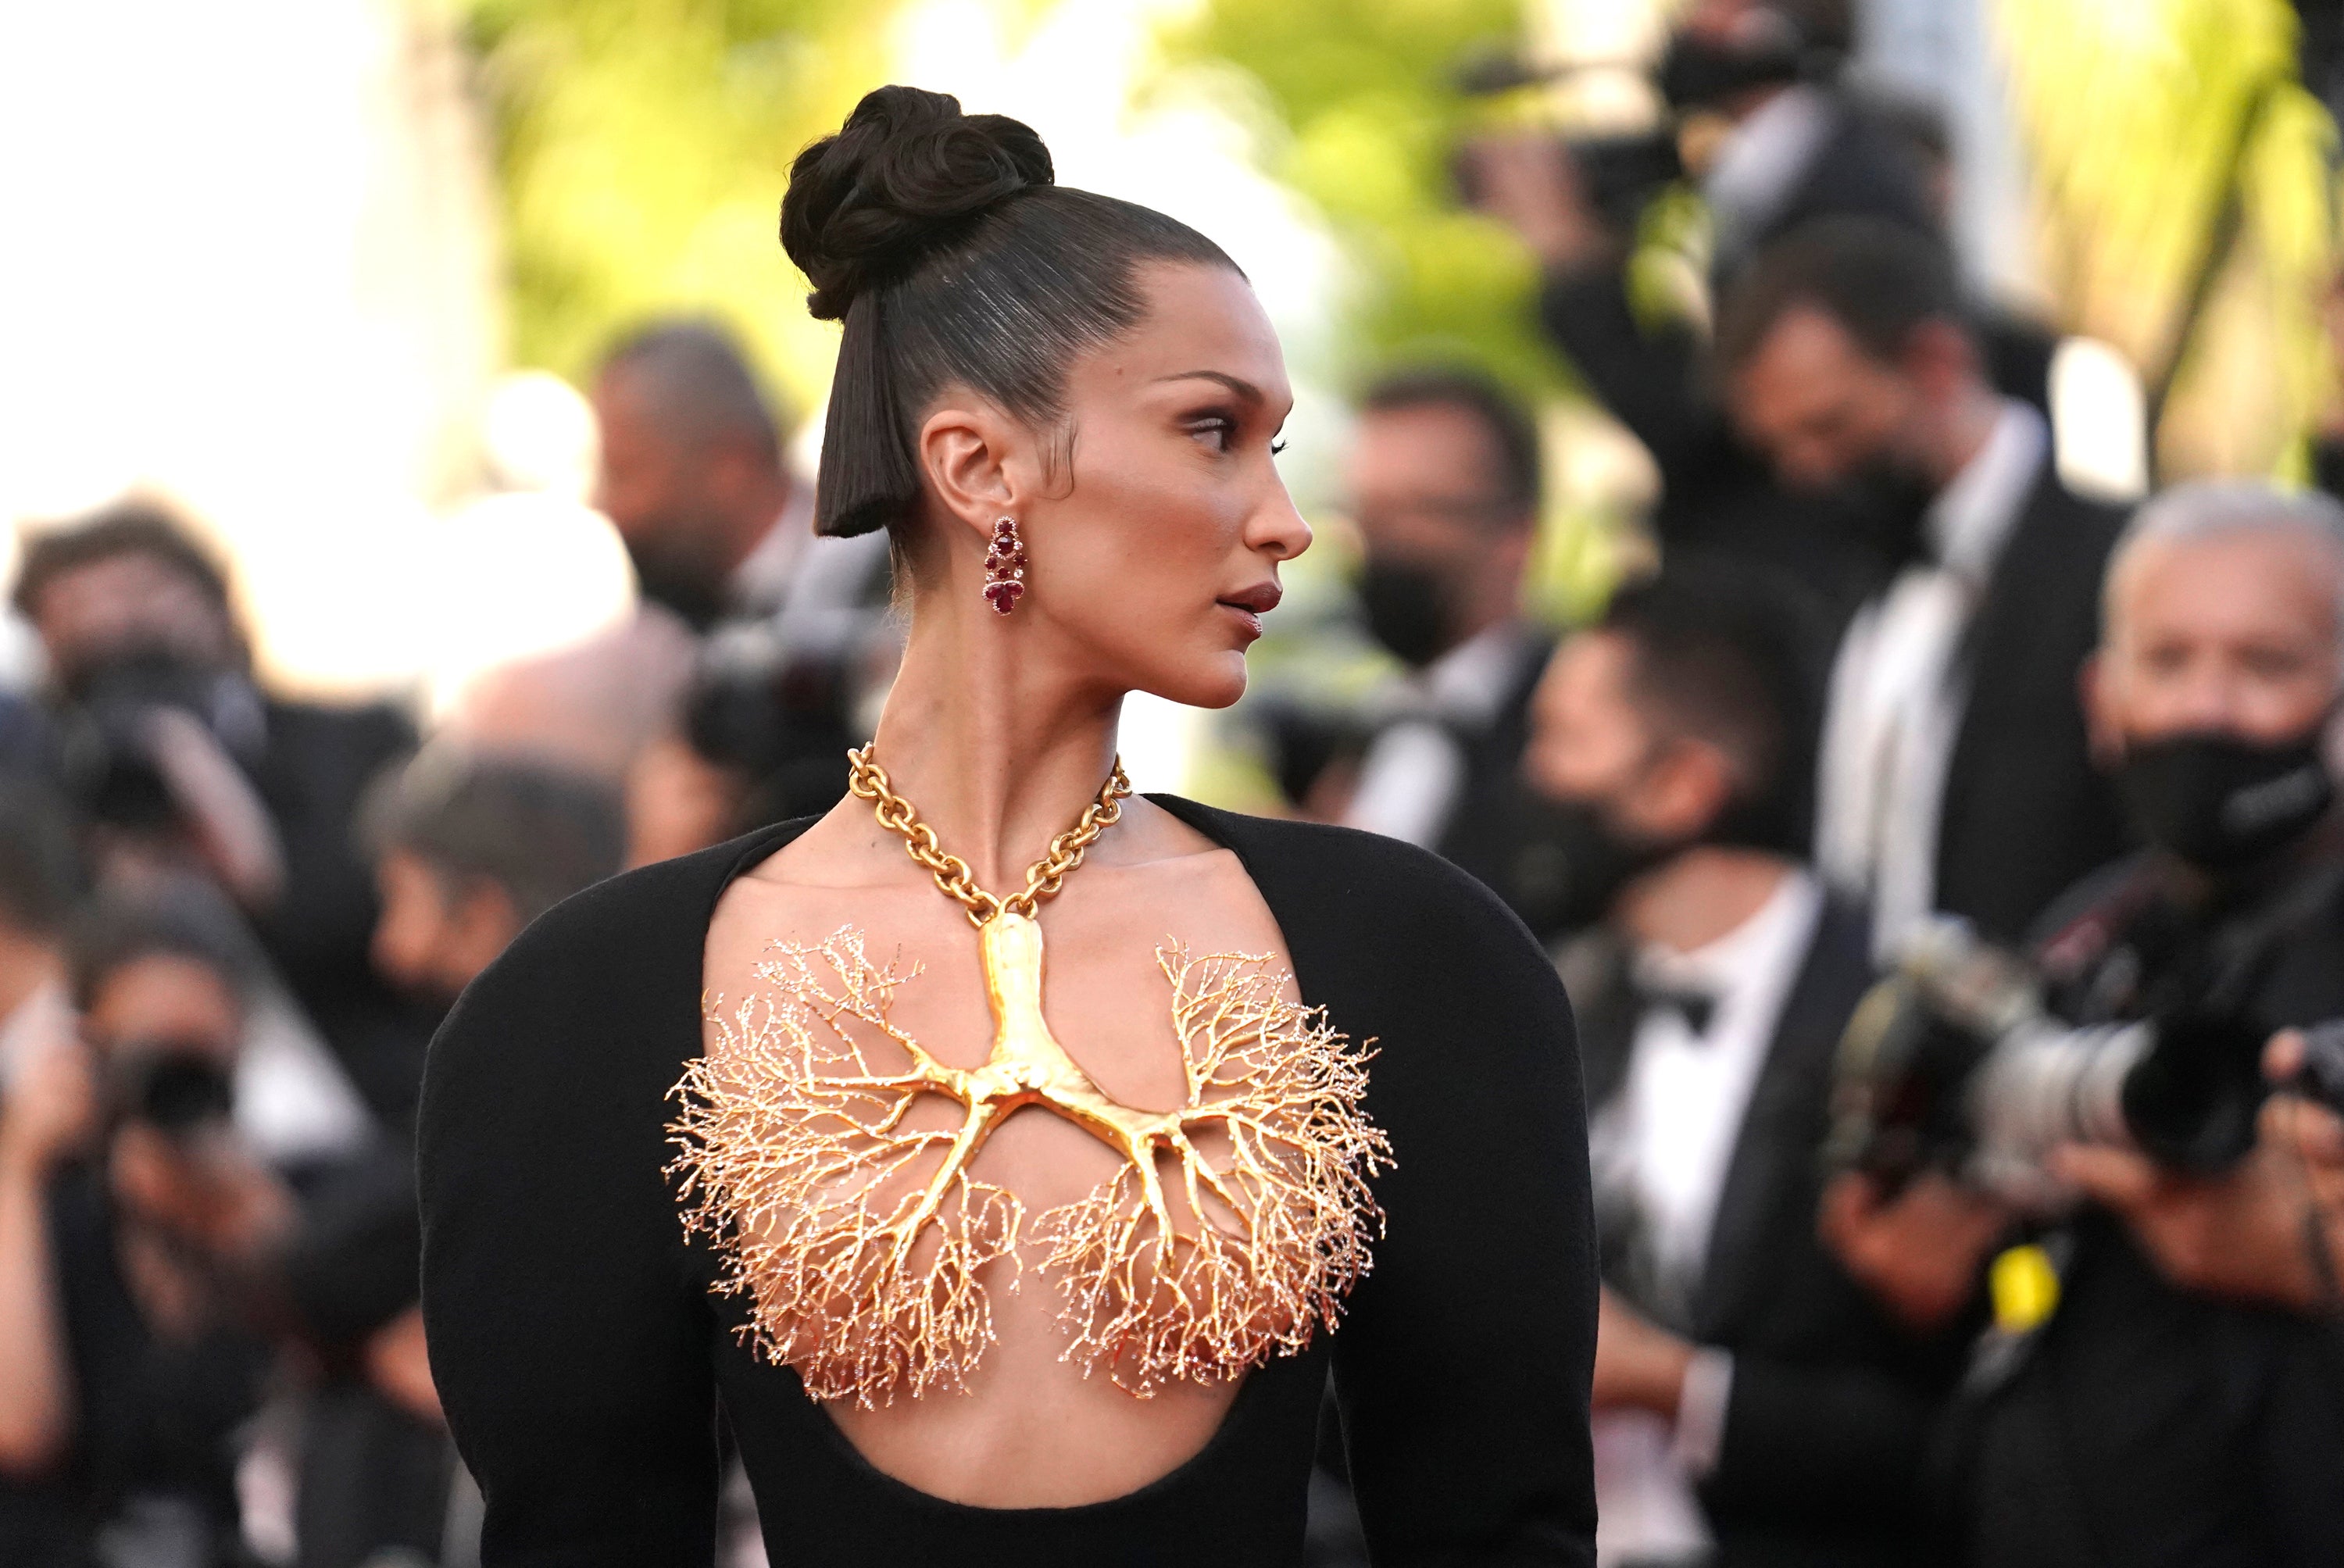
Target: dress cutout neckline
(1245, 1406)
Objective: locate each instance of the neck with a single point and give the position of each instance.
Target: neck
(1968, 426)
(1699, 895)
(999, 748)
(27, 964)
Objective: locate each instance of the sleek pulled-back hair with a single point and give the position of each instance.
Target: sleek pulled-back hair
(940, 240)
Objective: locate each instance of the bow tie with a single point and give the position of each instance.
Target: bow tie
(1694, 1006)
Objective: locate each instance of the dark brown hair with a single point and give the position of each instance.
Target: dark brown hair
(1513, 434)
(940, 240)
(1878, 280)
(1732, 654)
(132, 527)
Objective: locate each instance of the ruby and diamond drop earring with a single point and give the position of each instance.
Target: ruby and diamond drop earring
(1005, 567)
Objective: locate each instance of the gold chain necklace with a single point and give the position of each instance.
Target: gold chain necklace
(798, 1156)
(867, 780)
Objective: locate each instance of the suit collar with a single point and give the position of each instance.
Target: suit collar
(1775, 1151)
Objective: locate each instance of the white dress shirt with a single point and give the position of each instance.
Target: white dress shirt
(1414, 768)
(1665, 1143)
(1898, 694)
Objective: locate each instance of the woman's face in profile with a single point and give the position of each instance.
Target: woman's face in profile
(1156, 552)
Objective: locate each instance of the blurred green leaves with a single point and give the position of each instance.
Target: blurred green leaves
(1362, 89)
(2185, 209)
(643, 147)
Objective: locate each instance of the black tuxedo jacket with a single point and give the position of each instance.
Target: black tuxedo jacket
(1828, 1424)
(2026, 814)
(1656, 379)
(1489, 822)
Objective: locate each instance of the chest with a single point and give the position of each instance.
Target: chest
(1164, 1134)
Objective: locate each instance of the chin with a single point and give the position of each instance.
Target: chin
(1208, 681)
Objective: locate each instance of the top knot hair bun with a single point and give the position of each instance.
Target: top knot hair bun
(907, 172)
(941, 242)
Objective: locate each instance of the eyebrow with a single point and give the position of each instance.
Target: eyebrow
(1243, 388)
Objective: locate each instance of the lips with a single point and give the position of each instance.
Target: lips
(1261, 599)
(1251, 604)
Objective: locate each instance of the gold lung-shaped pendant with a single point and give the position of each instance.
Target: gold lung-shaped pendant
(857, 1230)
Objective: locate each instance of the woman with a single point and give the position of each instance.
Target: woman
(982, 1263)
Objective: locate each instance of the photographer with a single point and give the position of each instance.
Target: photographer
(1771, 142)
(762, 736)
(135, 1227)
(1753, 1406)
(2165, 1408)
(467, 850)
(693, 474)
(1955, 774)
(1445, 481)
(181, 761)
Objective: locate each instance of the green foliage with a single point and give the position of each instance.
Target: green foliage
(642, 147)
(1361, 88)
(2185, 209)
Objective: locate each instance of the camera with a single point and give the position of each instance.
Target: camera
(777, 716)
(176, 1087)
(106, 745)
(1954, 1062)
(1622, 173)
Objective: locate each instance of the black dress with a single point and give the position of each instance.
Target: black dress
(582, 1359)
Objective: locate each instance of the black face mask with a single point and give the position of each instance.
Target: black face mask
(1409, 609)
(674, 570)
(2220, 801)
(1578, 863)
(1886, 504)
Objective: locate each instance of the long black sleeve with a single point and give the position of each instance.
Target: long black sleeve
(578, 1352)
(1804, 1444)
(569, 1339)
(1644, 379)
(1463, 1364)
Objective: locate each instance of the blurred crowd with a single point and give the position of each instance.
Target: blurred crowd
(230, 921)
(1944, 866)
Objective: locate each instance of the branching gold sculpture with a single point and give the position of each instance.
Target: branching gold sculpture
(859, 1236)
(860, 1233)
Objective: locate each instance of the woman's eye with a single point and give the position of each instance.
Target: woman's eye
(1219, 430)
(1277, 446)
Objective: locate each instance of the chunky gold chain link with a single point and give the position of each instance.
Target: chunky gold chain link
(899, 816)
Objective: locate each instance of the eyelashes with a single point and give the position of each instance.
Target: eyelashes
(1220, 430)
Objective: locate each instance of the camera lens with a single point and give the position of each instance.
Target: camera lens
(177, 1086)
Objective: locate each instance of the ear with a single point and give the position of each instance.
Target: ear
(980, 463)
(2096, 687)
(1938, 357)
(1514, 547)
(1686, 791)
(482, 923)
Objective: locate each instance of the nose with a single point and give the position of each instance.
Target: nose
(1276, 529)
(2207, 699)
